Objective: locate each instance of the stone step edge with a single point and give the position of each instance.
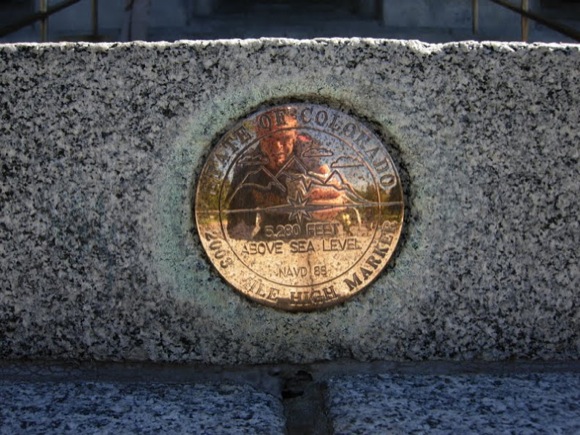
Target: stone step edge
(267, 377)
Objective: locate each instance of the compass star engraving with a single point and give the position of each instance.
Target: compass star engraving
(299, 212)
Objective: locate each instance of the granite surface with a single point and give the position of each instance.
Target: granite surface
(101, 145)
(461, 398)
(518, 403)
(96, 407)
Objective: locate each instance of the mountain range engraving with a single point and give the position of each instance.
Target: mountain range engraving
(296, 176)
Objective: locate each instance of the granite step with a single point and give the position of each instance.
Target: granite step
(108, 407)
(339, 398)
(482, 404)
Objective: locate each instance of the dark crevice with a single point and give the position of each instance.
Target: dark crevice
(304, 402)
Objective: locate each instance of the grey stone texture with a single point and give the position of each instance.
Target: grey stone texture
(102, 407)
(101, 145)
(391, 397)
(474, 404)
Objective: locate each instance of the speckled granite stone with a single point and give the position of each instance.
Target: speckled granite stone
(93, 407)
(531, 403)
(100, 147)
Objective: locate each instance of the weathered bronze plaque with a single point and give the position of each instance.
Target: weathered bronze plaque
(299, 206)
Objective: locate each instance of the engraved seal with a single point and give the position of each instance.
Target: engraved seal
(299, 206)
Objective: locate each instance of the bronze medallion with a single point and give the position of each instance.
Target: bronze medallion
(299, 206)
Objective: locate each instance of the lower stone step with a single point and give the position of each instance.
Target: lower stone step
(515, 403)
(120, 408)
(405, 400)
